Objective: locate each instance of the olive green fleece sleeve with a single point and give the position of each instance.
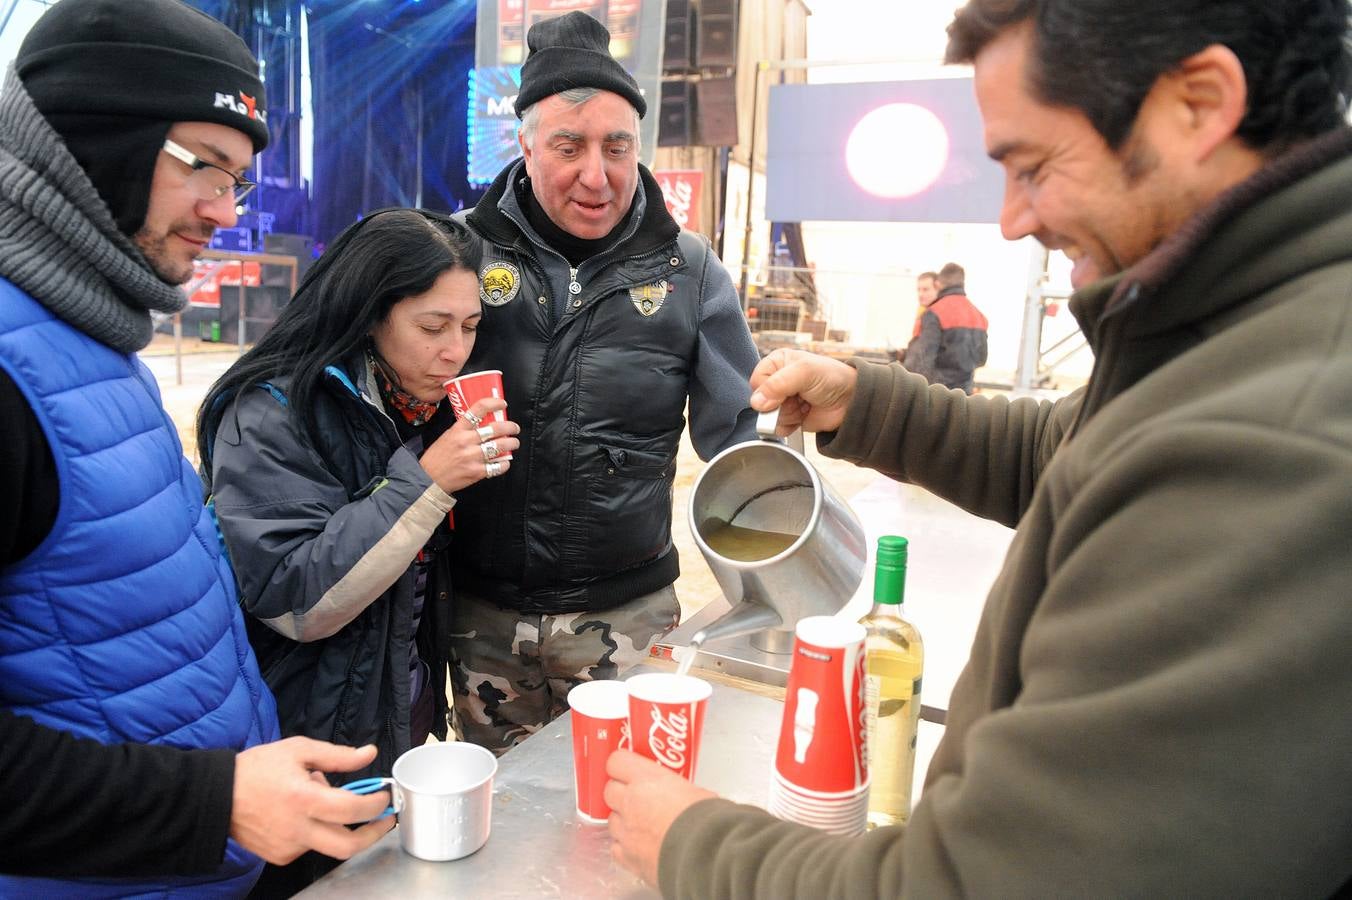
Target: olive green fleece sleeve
(984, 454)
(721, 849)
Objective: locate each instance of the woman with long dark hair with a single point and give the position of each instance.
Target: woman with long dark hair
(332, 459)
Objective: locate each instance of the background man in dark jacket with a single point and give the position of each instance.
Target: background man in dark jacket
(949, 342)
(606, 320)
(133, 720)
(1156, 699)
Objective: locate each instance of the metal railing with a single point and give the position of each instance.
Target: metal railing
(216, 262)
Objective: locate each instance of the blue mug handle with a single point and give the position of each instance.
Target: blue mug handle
(370, 786)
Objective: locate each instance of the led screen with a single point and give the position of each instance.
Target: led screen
(905, 151)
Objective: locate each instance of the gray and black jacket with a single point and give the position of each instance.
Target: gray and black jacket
(323, 539)
(949, 342)
(597, 366)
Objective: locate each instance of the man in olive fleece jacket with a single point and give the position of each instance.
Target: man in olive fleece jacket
(1156, 702)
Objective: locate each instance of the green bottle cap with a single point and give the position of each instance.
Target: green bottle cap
(889, 579)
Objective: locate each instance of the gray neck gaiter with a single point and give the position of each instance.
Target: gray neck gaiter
(58, 241)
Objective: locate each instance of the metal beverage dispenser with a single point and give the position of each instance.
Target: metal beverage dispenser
(780, 541)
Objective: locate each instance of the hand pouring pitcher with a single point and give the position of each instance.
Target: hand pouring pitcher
(781, 542)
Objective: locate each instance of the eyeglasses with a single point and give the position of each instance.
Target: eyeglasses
(212, 182)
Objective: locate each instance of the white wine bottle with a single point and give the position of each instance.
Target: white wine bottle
(893, 662)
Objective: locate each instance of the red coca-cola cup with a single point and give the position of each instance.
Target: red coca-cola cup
(666, 718)
(600, 719)
(822, 737)
(466, 390)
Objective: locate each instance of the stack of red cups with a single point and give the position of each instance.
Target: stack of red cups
(821, 773)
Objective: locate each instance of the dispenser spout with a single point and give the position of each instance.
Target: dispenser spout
(746, 616)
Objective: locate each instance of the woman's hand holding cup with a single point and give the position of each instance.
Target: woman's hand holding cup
(479, 445)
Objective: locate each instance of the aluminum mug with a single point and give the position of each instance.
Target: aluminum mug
(443, 796)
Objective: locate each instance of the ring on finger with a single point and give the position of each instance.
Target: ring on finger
(494, 469)
(485, 433)
(474, 421)
(489, 449)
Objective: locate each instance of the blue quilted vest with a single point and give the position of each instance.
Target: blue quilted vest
(123, 625)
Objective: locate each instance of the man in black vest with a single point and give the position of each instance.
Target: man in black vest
(604, 319)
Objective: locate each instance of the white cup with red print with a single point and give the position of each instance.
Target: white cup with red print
(666, 718)
(600, 720)
(466, 390)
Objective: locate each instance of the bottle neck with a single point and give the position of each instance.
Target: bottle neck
(886, 611)
(889, 585)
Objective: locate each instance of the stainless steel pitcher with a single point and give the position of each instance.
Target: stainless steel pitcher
(765, 487)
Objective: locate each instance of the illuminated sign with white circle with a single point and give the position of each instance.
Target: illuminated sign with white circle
(897, 150)
(879, 151)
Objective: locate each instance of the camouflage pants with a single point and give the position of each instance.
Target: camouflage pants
(511, 672)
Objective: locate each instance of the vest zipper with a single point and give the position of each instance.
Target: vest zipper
(670, 267)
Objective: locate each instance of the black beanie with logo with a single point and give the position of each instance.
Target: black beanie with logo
(572, 51)
(112, 76)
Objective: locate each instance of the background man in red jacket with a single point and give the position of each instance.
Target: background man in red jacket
(949, 342)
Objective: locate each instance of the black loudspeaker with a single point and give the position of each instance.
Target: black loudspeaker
(261, 306)
(678, 40)
(715, 40)
(676, 122)
(301, 246)
(292, 244)
(716, 112)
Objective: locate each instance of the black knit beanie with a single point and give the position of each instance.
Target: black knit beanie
(571, 51)
(112, 76)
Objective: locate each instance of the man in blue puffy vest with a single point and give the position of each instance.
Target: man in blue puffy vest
(134, 724)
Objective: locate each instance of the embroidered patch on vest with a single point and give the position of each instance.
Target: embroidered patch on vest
(648, 298)
(499, 282)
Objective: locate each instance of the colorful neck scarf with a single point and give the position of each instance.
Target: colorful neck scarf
(415, 412)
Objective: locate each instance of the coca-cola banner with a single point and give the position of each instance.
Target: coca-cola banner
(210, 275)
(680, 188)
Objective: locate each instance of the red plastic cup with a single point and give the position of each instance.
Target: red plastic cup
(822, 745)
(600, 719)
(666, 718)
(466, 390)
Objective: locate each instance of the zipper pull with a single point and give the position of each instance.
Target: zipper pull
(574, 288)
